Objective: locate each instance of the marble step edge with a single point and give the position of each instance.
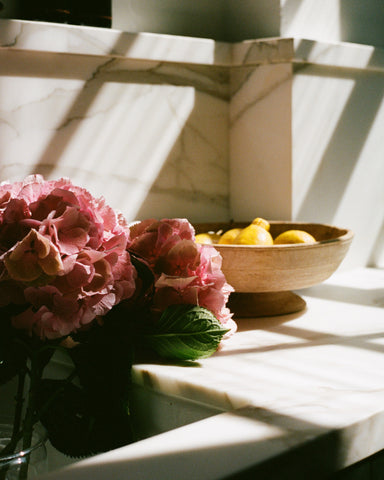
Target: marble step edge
(81, 40)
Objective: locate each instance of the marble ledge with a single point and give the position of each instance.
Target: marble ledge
(298, 396)
(81, 40)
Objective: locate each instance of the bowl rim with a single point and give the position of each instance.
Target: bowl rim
(346, 235)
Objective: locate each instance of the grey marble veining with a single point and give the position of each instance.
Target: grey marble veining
(131, 123)
(282, 128)
(60, 38)
(285, 128)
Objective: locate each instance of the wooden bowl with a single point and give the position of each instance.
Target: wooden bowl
(281, 268)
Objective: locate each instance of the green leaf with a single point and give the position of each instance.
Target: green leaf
(186, 332)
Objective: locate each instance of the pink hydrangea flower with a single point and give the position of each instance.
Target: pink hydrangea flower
(185, 272)
(66, 251)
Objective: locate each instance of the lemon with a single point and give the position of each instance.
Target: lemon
(294, 236)
(254, 235)
(228, 237)
(261, 222)
(207, 238)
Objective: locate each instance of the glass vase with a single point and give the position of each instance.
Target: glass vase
(23, 464)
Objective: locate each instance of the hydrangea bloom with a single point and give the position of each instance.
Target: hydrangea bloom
(185, 272)
(63, 254)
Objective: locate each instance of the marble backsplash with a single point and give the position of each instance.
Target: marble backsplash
(173, 126)
(149, 136)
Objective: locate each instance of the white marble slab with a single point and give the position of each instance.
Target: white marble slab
(60, 38)
(81, 40)
(303, 395)
(177, 126)
(285, 128)
(305, 137)
(150, 137)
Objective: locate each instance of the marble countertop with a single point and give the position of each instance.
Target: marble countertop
(297, 395)
(72, 39)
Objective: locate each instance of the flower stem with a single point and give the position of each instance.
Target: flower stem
(19, 406)
(30, 418)
(15, 437)
(10, 448)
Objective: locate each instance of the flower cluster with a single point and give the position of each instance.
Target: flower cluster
(185, 272)
(65, 256)
(75, 277)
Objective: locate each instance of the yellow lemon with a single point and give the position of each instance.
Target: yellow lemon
(228, 237)
(294, 236)
(254, 235)
(207, 238)
(261, 222)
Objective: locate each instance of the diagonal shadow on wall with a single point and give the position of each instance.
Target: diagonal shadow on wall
(92, 134)
(344, 148)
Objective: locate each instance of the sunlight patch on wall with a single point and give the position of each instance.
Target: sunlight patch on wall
(127, 141)
(318, 102)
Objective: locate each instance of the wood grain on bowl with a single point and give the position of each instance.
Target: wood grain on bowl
(279, 268)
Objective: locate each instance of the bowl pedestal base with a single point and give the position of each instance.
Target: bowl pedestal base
(266, 304)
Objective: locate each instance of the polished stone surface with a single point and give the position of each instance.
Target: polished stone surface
(151, 137)
(71, 39)
(302, 396)
(285, 128)
(162, 126)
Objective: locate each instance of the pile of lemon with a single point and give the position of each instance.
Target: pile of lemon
(256, 233)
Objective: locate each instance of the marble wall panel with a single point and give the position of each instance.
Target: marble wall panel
(81, 40)
(338, 169)
(150, 137)
(333, 21)
(260, 142)
(306, 144)
(278, 128)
